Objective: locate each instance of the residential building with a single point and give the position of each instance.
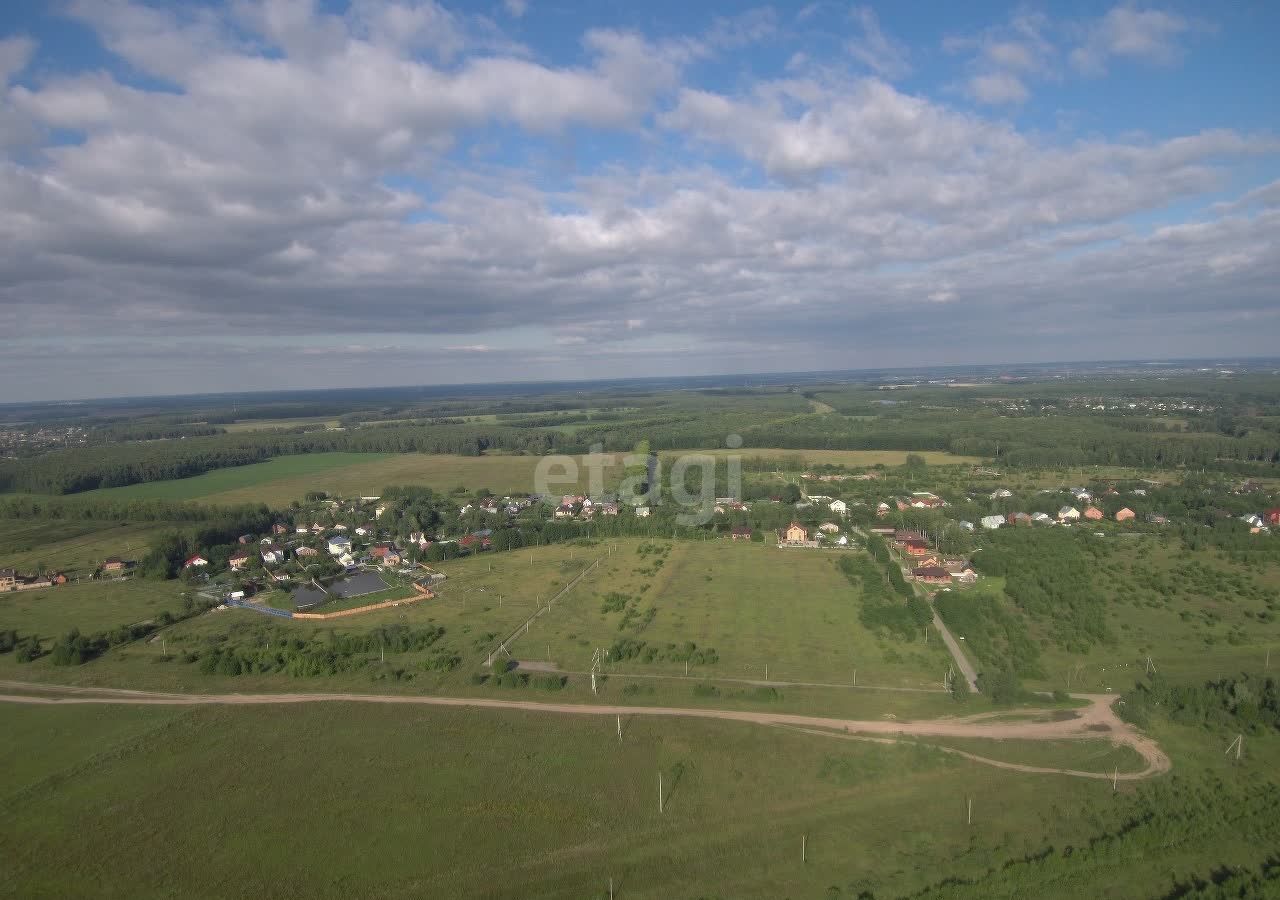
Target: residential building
(238, 560)
(741, 533)
(991, 522)
(1092, 513)
(1124, 515)
(931, 575)
(339, 544)
(195, 562)
(114, 564)
(1068, 514)
(8, 580)
(839, 507)
(795, 533)
(829, 527)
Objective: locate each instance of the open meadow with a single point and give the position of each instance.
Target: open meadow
(73, 547)
(342, 800)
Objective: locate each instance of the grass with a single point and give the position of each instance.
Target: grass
(250, 484)
(850, 458)
(71, 547)
(512, 804)
(1080, 755)
(265, 424)
(89, 605)
(754, 604)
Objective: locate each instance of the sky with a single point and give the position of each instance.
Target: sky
(261, 194)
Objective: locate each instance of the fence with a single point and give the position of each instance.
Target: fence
(258, 607)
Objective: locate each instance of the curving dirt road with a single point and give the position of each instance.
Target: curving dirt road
(1097, 720)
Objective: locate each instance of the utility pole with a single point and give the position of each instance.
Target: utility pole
(619, 729)
(659, 792)
(970, 817)
(804, 839)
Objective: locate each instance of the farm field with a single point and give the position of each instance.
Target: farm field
(518, 804)
(267, 424)
(754, 604)
(76, 548)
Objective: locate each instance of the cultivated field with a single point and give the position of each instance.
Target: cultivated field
(849, 458)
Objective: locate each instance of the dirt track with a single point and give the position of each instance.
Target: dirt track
(1097, 720)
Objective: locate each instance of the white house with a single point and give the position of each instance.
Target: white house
(1069, 514)
(1042, 518)
(839, 507)
(272, 555)
(195, 562)
(829, 527)
(642, 512)
(378, 511)
(1001, 494)
(1082, 495)
(992, 522)
(965, 524)
(339, 544)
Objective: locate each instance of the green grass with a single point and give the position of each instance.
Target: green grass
(253, 482)
(352, 800)
(89, 605)
(71, 547)
(754, 604)
(1080, 755)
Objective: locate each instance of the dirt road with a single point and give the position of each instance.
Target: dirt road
(1097, 720)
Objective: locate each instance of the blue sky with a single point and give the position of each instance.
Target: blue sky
(283, 193)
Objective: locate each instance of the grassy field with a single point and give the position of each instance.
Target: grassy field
(266, 424)
(89, 605)
(254, 483)
(1196, 616)
(350, 800)
(754, 604)
(850, 458)
(71, 547)
(285, 479)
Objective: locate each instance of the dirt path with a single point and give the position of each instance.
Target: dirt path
(1097, 720)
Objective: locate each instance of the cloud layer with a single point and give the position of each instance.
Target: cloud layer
(264, 194)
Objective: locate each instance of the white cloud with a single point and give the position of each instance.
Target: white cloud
(998, 87)
(1144, 34)
(516, 8)
(327, 174)
(876, 50)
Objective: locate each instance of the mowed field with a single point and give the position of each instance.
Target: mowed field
(754, 604)
(280, 481)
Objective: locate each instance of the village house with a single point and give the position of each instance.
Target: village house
(882, 509)
(1001, 494)
(642, 512)
(475, 543)
(272, 554)
(1157, 519)
(563, 512)
(795, 533)
(1124, 515)
(960, 571)
(1041, 518)
(991, 522)
(741, 533)
(1019, 518)
(1092, 513)
(279, 528)
(931, 575)
(195, 562)
(339, 544)
(8, 580)
(1068, 514)
(245, 539)
(306, 551)
(364, 530)
(1272, 516)
(965, 524)
(114, 564)
(883, 530)
(926, 500)
(839, 507)
(829, 527)
(386, 553)
(238, 560)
